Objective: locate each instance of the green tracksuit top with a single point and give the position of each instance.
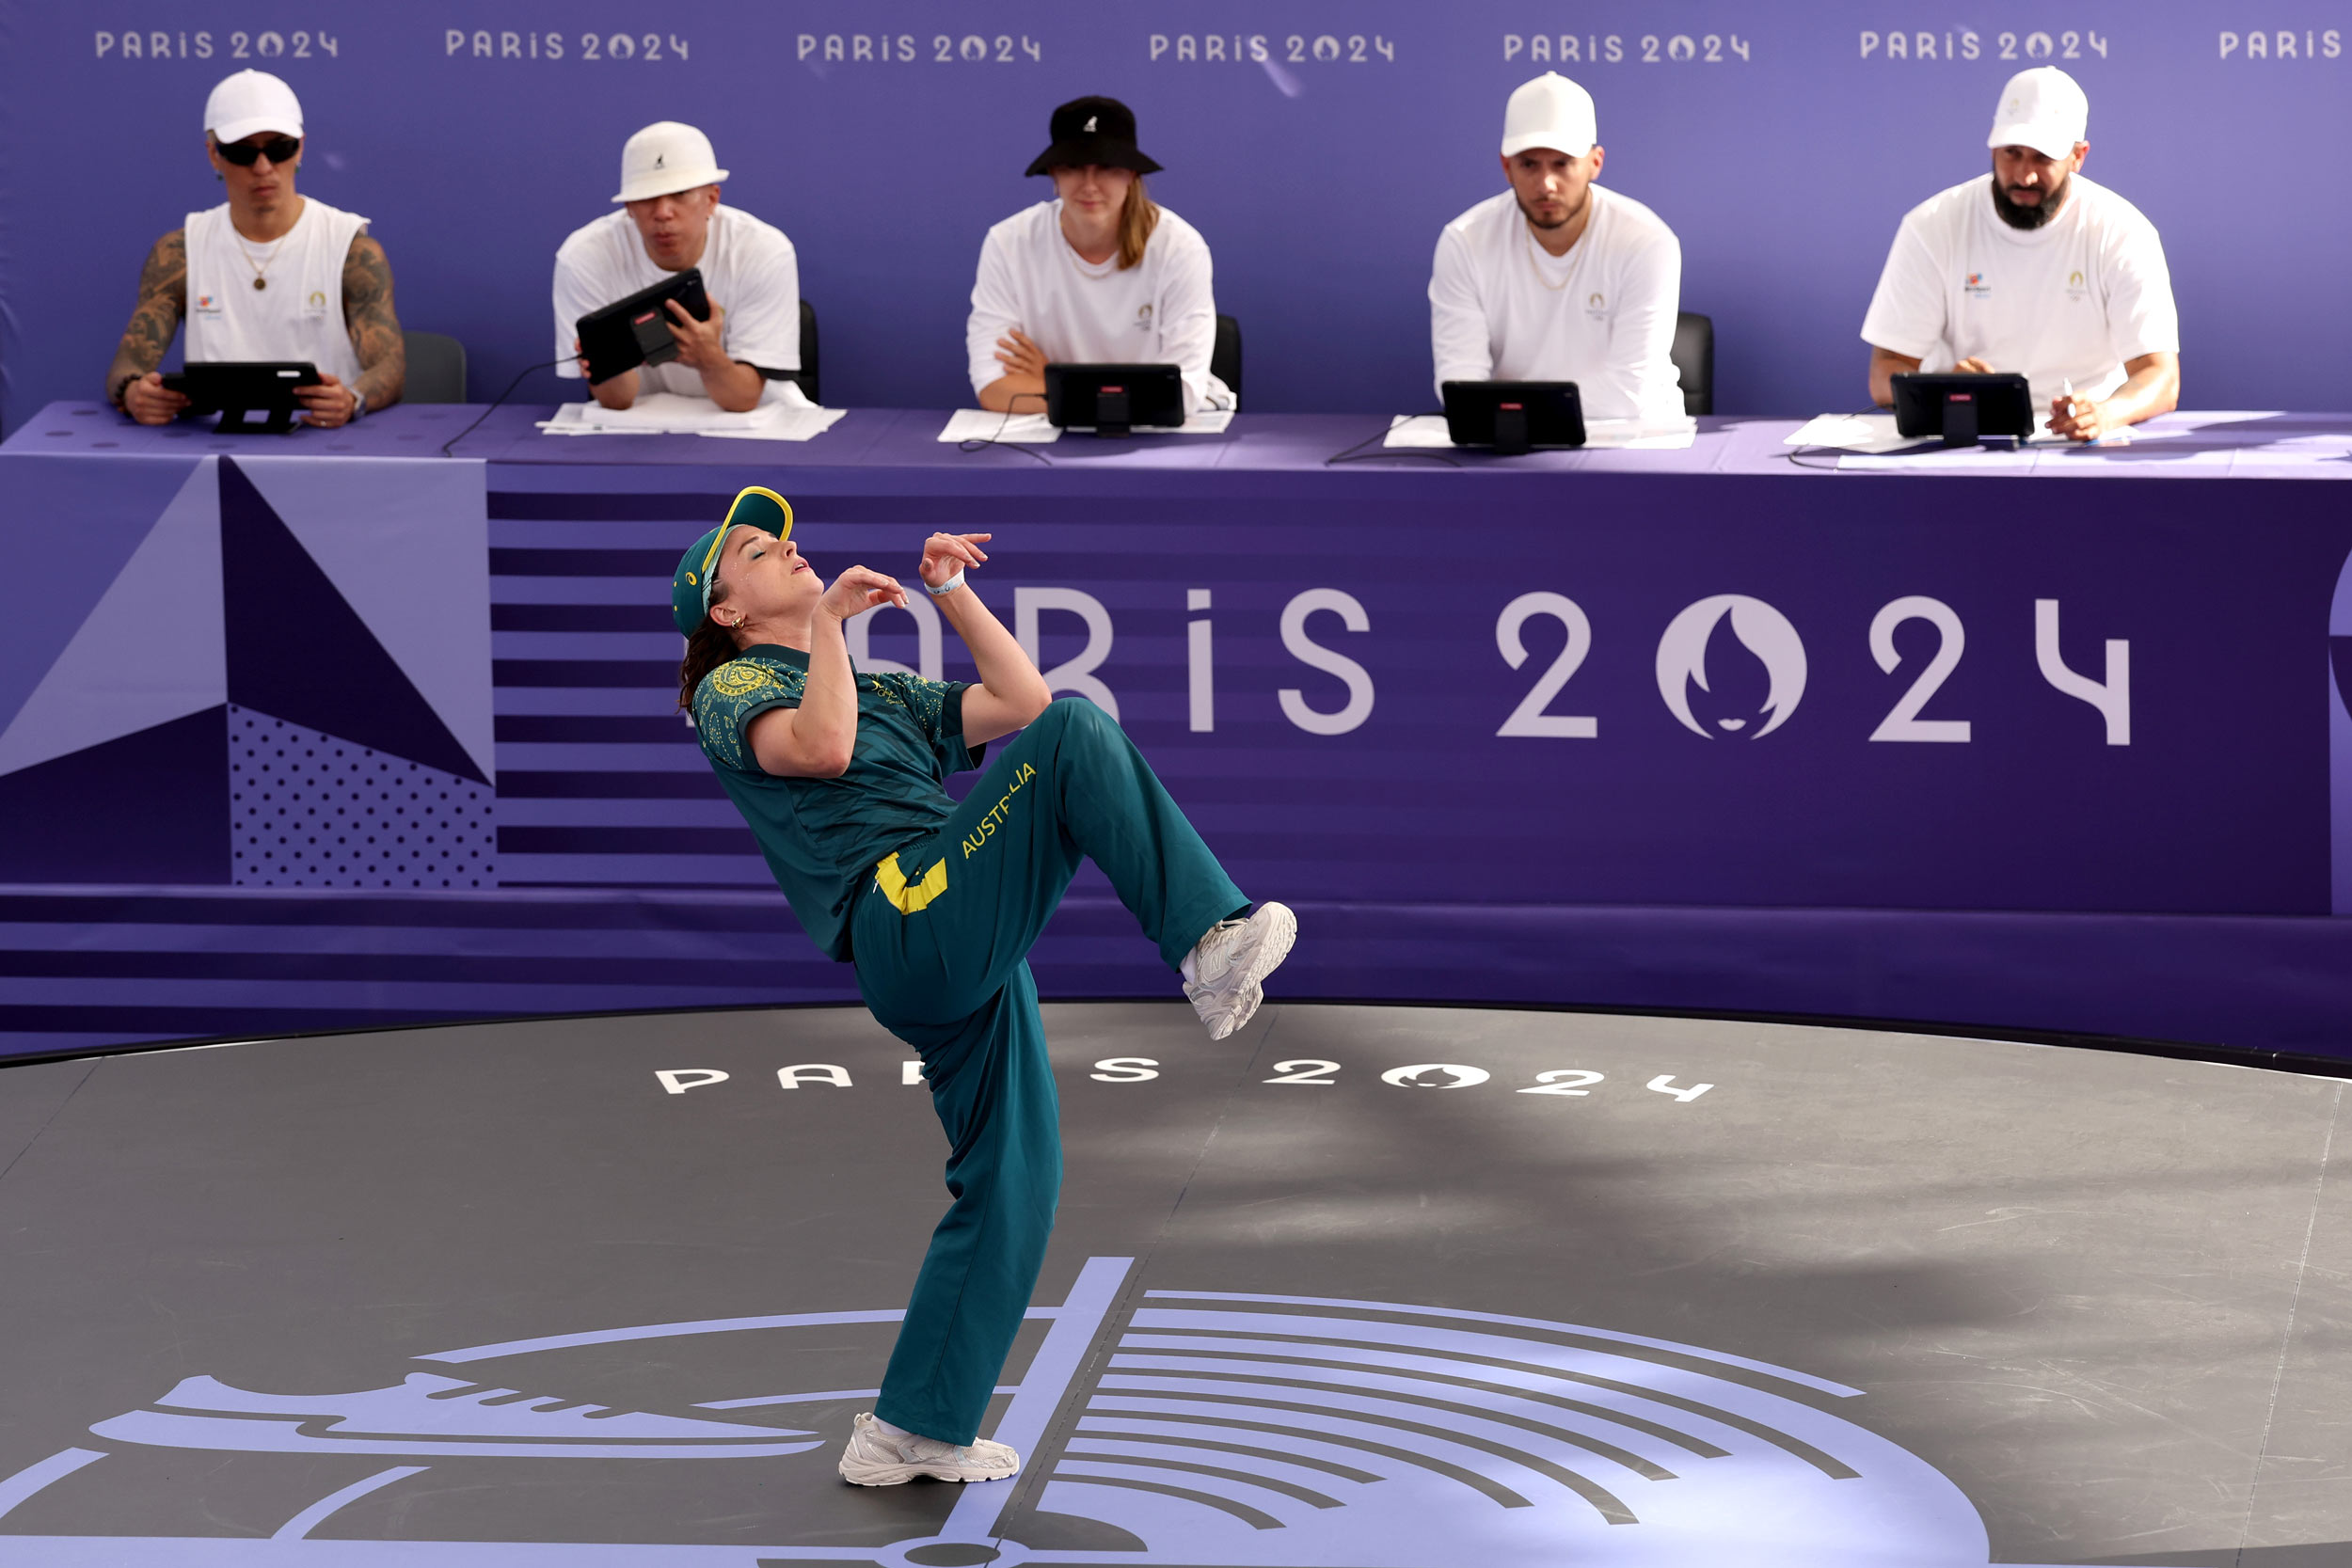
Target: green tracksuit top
(824, 837)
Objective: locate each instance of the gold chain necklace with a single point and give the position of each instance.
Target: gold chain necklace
(1537, 267)
(259, 268)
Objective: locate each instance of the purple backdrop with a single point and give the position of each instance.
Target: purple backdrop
(1782, 144)
(472, 759)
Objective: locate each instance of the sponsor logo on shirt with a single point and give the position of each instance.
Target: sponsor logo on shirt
(208, 305)
(2075, 285)
(316, 303)
(1595, 306)
(1977, 286)
(1143, 317)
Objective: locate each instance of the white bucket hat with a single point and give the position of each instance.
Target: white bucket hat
(249, 102)
(1549, 111)
(2045, 109)
(664, 158)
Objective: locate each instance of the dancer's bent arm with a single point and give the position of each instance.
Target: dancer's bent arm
(1011, 693)
(814, 740)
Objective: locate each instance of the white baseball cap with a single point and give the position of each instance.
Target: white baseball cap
(2042, 108)
(1549, 111)
(249, 102)
(664, 158)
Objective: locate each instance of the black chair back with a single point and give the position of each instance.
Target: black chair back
(1694, 357)
(1224, 358)
(436, 367)
(808, 374)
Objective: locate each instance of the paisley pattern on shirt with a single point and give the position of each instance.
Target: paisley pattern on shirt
(731, 696)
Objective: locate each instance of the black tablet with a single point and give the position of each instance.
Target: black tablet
(636, 331)
(1514, 415)
(1962, 406)
(1114, 399)
(237, 387)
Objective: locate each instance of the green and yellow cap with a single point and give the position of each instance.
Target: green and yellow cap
(689, 590)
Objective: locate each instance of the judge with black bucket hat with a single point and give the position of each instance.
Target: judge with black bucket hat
(1101, 274)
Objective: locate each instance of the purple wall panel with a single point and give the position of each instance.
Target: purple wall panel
(1783, 145)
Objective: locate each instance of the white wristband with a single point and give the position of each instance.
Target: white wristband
(946, 587)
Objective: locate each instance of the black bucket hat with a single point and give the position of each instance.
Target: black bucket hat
(1093, 130)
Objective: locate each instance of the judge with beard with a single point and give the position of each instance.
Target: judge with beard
(1556, 279)
(2036, 271)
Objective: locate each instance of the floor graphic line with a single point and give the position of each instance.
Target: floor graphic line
(1043, 1389)
(33, 1478)
(301, 1525)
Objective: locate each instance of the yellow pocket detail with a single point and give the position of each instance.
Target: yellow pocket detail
(905, 897)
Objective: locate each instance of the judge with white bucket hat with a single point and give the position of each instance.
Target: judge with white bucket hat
(671, 217)
(2036, 271)
(1557, 278)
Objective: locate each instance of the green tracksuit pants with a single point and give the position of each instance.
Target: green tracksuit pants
(942, 941)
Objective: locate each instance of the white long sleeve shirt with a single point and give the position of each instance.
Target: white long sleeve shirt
(1502, 309)
(2071, 301)
(1160, 311)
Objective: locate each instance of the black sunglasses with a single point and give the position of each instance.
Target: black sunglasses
(242, 154)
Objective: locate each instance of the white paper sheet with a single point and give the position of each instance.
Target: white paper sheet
(978, 425)
(785, 415)
(1428, 430)
(783, 422)
(1870, 434)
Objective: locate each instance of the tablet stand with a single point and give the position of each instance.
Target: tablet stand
(233, 421)
(1113, 412)
(1511, 428)
(1959, 418)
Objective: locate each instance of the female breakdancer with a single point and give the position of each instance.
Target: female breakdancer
(838, 774)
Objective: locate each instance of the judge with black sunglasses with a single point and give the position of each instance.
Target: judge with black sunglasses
(266, 275)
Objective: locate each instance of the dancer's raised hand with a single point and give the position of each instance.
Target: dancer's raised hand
(946, 554)
(858, 589)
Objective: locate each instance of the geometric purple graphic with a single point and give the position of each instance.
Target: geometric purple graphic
(298, 651)
(403, 542)
(308, 809)
(144, 807)
(88, 691)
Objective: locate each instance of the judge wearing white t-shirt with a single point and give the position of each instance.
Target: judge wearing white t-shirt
(1556, 279)
(1101, 274)
(2036, 271)
(671, 218)
(266, 275)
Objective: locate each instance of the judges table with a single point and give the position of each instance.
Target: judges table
(331, 729)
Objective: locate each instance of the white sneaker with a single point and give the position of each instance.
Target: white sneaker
(1231, 964)
(874, 1458)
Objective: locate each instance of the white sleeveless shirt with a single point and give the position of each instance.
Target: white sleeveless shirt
(299, 316)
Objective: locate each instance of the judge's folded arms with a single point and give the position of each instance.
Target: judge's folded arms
(1556, 279)
(671, 218)
(2037, 272)
(1099, 275)
(266, 275)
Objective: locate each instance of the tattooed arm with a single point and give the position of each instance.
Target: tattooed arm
(375, 334)
(133, 384)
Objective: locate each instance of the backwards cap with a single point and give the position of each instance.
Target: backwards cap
(690, 590)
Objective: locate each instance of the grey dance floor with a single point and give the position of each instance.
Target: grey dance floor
(1366, 1288)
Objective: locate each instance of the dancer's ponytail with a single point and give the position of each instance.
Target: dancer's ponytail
(711, 645)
